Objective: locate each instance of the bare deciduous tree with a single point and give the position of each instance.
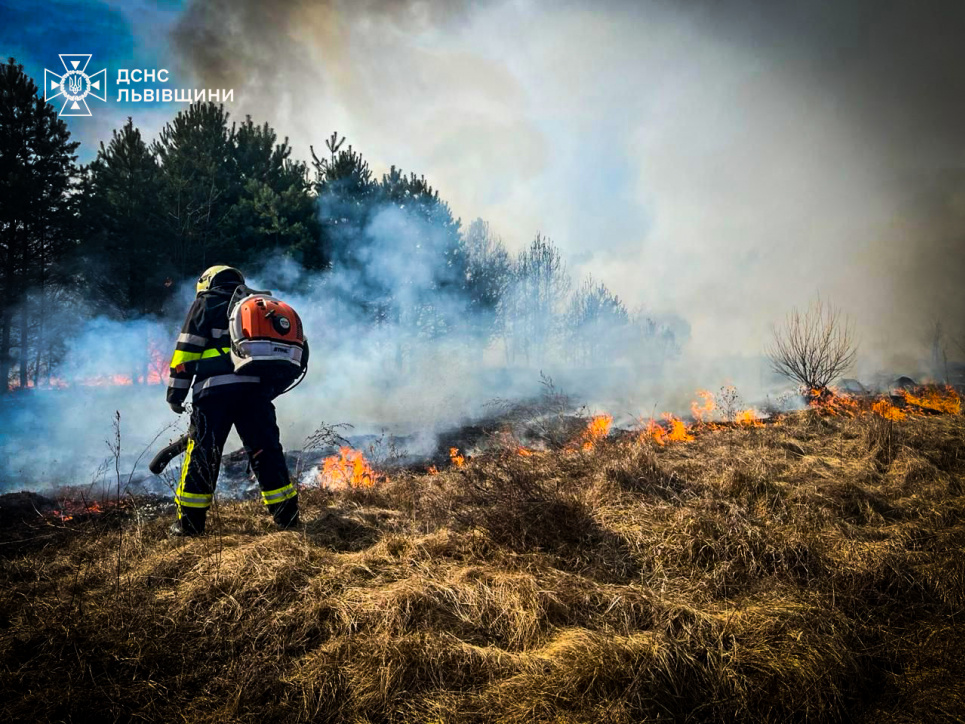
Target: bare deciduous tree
(532, 307)
(815, 347)
(596, 324)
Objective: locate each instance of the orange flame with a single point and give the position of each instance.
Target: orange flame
(677, 431)
(935, 399)
(158, 369)
(888, 411)
(655, 432)
(702, 412)
(748, 418)
(828, 402)
(524, 452)
(347, 469)
(106, 381)
(597, 429)
(457, 459)
(70, 509)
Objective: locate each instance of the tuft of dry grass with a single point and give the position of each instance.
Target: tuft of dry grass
(808, 570)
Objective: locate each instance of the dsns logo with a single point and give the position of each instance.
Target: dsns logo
(75, 85)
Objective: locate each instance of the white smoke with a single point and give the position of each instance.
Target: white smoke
(720, 162)
(420, 368)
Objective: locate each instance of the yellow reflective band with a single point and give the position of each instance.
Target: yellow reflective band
(180, 357)
(208, 353)
(184, 466)
(195, 496)
(279, 495)
(184, 475)
(192, 503)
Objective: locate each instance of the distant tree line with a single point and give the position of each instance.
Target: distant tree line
(117, 236)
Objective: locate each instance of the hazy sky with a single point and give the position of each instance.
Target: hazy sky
(720, 160)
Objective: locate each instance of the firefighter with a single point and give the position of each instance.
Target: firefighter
(221, 398)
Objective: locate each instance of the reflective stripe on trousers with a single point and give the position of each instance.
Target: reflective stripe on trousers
(190, 500)
(279, 495)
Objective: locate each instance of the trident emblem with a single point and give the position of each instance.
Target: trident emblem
(75, 85)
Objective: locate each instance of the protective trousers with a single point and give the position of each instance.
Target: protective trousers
(250, 410)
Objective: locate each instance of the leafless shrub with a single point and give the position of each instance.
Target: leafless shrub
(814, 347)
(729, 402)
(327, 436)
(323, 437)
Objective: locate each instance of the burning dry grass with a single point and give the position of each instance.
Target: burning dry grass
(789, 572)
(348, 469)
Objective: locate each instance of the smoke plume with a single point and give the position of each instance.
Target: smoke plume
(725, 161)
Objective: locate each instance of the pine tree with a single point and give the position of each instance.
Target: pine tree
(125, 251)
(420, 236)
(346, 194)
(232, 195)
(37, 216)
(275, 211)
(200, 185)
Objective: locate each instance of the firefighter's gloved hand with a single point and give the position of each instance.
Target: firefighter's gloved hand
(177, 407)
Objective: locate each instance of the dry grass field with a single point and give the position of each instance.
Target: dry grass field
(811, 569)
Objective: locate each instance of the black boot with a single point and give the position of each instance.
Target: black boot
(285, 513)
(189, 524)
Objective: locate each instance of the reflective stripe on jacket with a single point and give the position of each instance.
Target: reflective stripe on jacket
(203, 352)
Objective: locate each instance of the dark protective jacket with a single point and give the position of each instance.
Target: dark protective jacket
(203, 350)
